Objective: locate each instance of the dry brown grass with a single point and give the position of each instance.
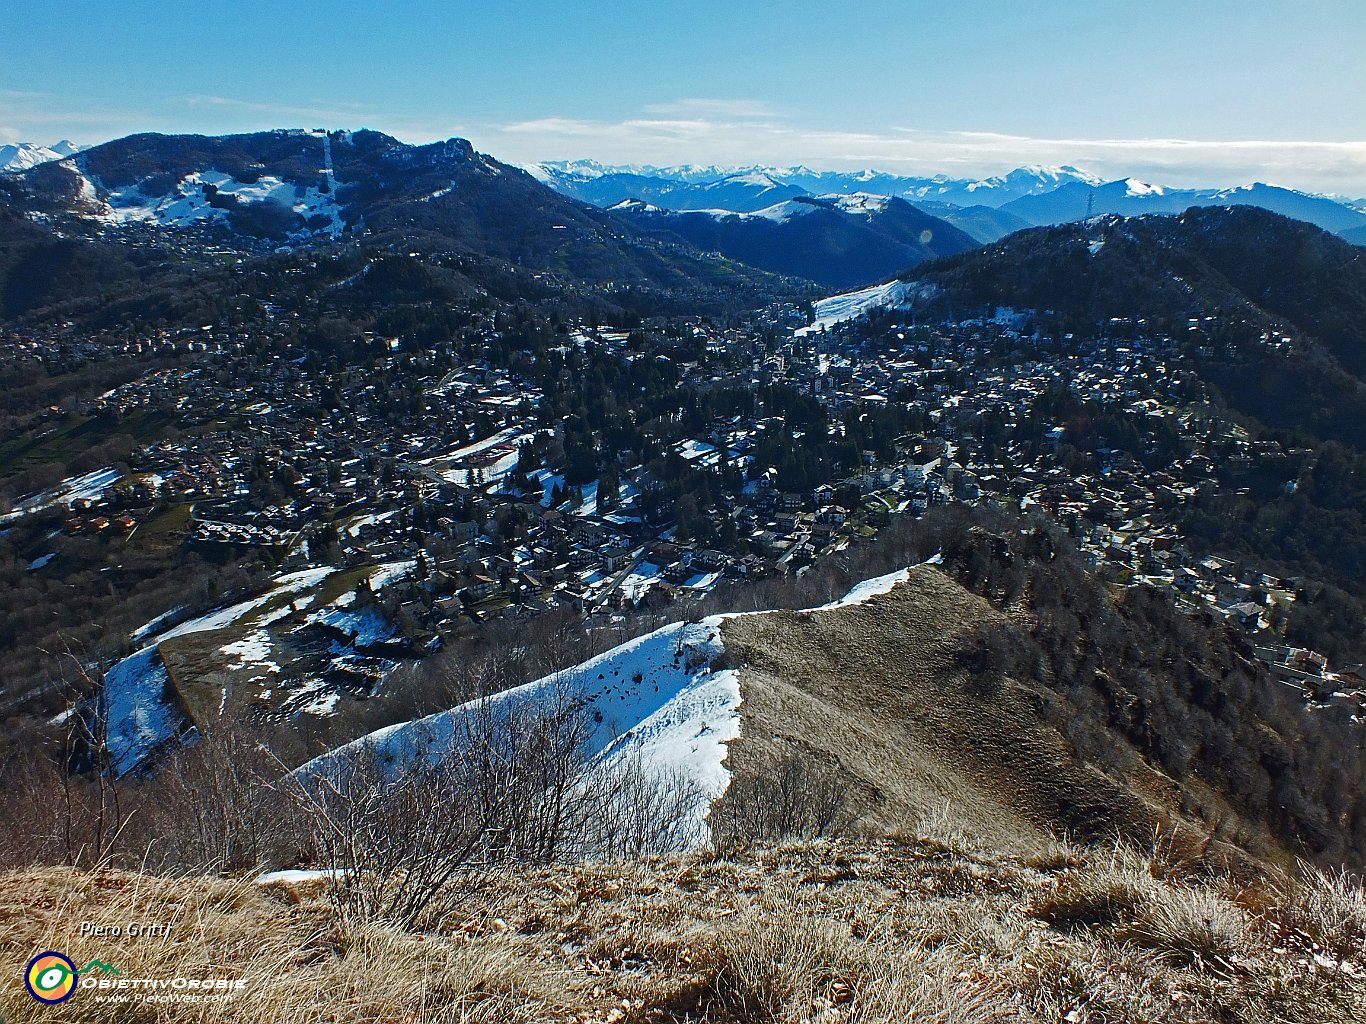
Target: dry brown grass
(1329, 906)
(845, 931)
(298, 964)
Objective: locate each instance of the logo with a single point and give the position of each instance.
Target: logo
(50, 977)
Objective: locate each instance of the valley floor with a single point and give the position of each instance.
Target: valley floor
(929, 928)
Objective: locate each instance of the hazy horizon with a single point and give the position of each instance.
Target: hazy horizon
(1213, 96)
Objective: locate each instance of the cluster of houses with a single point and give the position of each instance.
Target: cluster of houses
(364, 482)
(1123, 514)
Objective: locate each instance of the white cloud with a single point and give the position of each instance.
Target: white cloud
(344, 113)
(721, 108)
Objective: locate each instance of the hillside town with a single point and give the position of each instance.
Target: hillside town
(451, 471)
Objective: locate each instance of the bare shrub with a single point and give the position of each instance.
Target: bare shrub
(1096, 895)
(390, 842)
(215, 807)
(1330, 906)
(788, 796)
(643, 810)
(35, 812)
(403, 834)
(1189, 924)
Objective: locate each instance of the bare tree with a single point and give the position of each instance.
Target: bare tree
(390, 843)
(394, 830)
(93, 813)
(217, 807)
(642, 809)
(786, 796)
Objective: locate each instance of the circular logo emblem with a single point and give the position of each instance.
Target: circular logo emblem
(50, 977)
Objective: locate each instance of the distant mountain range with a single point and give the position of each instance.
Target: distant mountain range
(985, 208)
(696, 188)
(679, 228)
(303, 188)
(24, 155)
(294, 187)
(838, 240)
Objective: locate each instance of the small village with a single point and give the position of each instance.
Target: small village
(439, 489)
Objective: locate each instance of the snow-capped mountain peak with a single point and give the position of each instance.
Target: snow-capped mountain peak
(1033, 178)
(761, 179)
(1135, 187)
(868, 203)
(635, 206)
(23, 155)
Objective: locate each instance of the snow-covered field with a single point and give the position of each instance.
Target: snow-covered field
(292, 583)
(779, 213)
(839, 308)
(89, 485)
(368, 627)
(655, 701)
(140, 716)
(868, 589)
(200, 197)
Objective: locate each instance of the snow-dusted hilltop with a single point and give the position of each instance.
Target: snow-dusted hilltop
(662, 701)
(839, 241)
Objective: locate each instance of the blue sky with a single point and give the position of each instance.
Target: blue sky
(1190, 92)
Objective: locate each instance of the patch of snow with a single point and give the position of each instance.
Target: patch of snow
(641, 579)
(839, 308)
(62, 716)
(868, 589)
(636, 206)
(860, 202)
(655, 701)
(367, 628)
(155, 624)
(134, 704)
(254, 649)
(292, 876)
(223, 617)
(23, 155)
(392, 572)
(438, 194)
(89, 486)
(756, 178)
(1137, 189)
(779, 213)
(322, 705)
(203, 197)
